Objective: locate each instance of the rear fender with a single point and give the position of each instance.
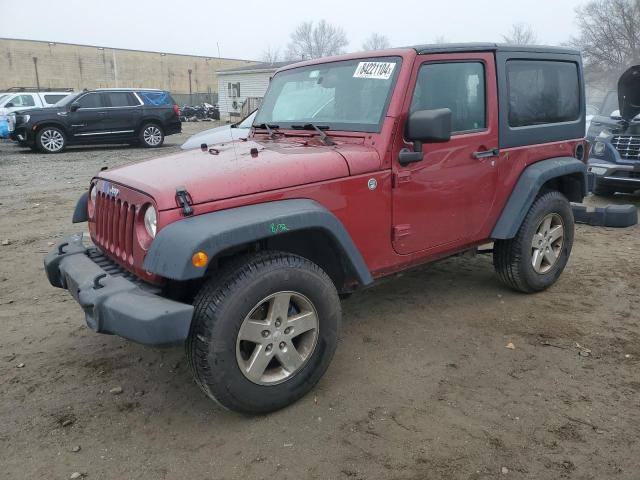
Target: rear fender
(566, 174)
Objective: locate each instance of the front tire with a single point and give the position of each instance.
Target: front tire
(151, 135)
(51, 140)
(534, 259)
(263, 332)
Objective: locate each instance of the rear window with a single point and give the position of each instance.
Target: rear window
(51, 99)
(156, 98)
(542, 92)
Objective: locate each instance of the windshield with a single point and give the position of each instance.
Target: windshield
(67, 100)
(3, 96)
(351, 95)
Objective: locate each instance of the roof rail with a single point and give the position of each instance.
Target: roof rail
(36, 89)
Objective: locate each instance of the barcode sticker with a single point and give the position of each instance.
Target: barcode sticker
(376, 70)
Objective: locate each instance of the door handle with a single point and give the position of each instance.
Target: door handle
(494, 152)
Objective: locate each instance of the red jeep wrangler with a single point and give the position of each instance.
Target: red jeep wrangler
(357, 166)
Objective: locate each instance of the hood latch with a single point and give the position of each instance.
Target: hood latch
(184, 201)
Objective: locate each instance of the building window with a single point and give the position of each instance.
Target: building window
(234, 89)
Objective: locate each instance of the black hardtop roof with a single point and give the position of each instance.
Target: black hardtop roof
(493, 47)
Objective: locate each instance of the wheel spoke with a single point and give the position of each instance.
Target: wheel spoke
(556, 233)
(303, 322)
(257, 363)
(551, 256)
(251, 331)
(289, 358)
(537, 259)
(546, 225)
(279, 307)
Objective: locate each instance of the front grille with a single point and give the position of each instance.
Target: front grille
(114, 221)
(628, 146)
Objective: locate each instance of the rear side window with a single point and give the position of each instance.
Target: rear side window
(51, 99)
(542, 92)
(91, 100)
(156, 98)
(458, 86)
(121, 99)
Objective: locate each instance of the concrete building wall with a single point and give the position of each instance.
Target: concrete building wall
(62, 65)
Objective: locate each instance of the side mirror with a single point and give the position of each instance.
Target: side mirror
(9, 105)
(74, 106)
(425, 126)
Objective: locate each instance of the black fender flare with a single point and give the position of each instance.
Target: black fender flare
(80, 213)
(170, 253)
(527, 188)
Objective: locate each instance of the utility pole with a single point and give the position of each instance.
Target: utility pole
(190, 92)
(35, 66)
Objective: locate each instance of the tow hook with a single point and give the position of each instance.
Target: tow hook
(96, 281)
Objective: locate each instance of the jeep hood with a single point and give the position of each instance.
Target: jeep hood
(629, 93)
(236, 169)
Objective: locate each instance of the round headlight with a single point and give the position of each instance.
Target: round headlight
(91, 204)
(150, 221)
(598, 148)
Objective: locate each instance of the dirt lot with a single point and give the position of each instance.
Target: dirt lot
(422, 386)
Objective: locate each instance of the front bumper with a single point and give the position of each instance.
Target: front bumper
(624, 177)
(114, 301)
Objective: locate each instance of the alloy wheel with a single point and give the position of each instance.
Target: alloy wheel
(52, 140)
(547, 243)
(277, 338)
(152, 135)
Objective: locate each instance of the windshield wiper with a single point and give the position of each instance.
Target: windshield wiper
(324, 138)
(268, 128)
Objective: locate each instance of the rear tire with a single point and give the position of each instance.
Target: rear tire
(51, 140)
(151, 135)
(534, 259)
(245, 349)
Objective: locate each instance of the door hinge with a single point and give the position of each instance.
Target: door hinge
(400, 231)
(401, 177)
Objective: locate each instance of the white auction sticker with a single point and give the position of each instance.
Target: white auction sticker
(377, 70)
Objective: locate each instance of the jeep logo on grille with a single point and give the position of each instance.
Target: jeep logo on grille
(108, 189)
(113, 191)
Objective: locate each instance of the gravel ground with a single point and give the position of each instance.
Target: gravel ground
(422, 386)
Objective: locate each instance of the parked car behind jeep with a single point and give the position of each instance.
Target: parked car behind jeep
(102, 116)
(358, 166)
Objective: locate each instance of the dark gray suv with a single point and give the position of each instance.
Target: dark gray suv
(142, 116)
(614, 158)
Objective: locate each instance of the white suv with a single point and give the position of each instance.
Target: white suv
(21, 99)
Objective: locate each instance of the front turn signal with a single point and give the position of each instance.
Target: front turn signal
(199, 259)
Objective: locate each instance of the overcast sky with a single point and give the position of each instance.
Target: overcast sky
(243, 29)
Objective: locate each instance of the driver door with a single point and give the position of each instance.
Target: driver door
(445, 200)
(88, 122)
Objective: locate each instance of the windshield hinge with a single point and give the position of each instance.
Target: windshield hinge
(184, 201)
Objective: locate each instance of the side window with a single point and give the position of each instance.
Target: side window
(121, 99)
(542, 92)
(23, 101)
(459, 86)
(91, 100)
(51, 99)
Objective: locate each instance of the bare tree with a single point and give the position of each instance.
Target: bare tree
(609, 37)
(270, 55)
(440, 39)
(520, 34)
(376, 42)
(309, 41)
